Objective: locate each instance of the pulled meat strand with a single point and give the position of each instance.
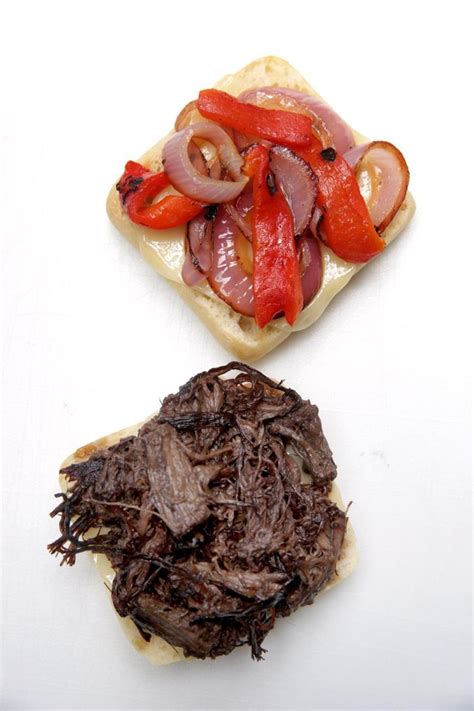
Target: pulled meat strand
(204, 516)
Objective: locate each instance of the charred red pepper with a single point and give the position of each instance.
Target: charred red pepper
(346, 222)
(138, 186)
(283, 127)
(276, 271)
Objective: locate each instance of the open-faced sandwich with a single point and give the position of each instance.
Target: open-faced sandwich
(211, 519)
(261, 205)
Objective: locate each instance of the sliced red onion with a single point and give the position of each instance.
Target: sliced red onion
(190, 274)
(197, 158)
(314, 222)
(341, 133)
(215, 169)
(389, 182)
(240, 211)
(199, 238)
(328, 119)
(212, 167)
(187, 179)
(182, 119)
(297, 181)
(198, 257)
(311, 265)
(243, 226)
(227, 276)
(244, 203)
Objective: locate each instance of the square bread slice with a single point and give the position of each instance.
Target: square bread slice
(157, 651)
(164, 250)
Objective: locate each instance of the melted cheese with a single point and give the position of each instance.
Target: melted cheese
(166, 254)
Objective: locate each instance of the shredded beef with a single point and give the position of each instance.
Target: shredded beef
(205, 516)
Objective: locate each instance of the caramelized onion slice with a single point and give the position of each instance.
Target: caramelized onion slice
(311, 266)
(190, 273)
(184, 117)
(297, 181)
(197, 159)
(383, 178)
(241, 211)
(228, 277)
(314, 222)
(188, 180)
(198, 246)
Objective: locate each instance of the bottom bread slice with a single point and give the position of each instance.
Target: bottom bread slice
(157, 651)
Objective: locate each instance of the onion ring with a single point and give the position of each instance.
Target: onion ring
(383, 177)
(187, 179)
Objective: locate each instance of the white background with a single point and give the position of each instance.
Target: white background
(93, 338)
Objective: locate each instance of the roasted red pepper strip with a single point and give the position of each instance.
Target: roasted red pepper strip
(139, 186)
(283, 127)
(346, 223)
(276, 272)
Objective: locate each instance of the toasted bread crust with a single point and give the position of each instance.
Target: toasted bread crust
(157, 650)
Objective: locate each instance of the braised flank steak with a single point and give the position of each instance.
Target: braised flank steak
(204, 515)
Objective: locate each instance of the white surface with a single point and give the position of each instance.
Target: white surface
(93, 338)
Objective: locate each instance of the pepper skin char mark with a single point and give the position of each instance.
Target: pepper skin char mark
(329, 154)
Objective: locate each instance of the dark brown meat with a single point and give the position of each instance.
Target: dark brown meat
(178, 491)
(204, 515)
